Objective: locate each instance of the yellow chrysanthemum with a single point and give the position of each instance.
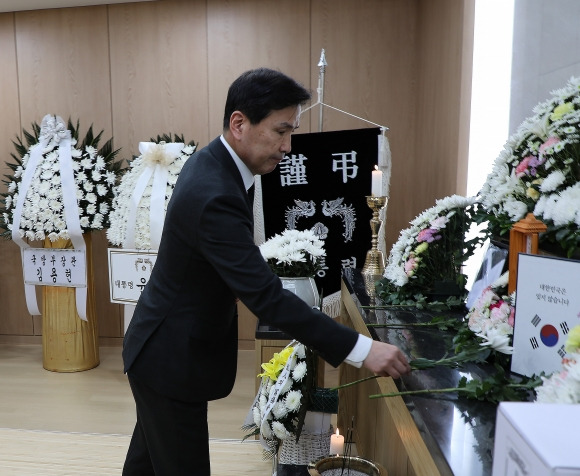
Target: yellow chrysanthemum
(560, 110)
(422, 247)
(273, 368)
(532, 193)
(573, 341)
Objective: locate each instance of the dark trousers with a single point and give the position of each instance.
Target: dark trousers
(171, 437)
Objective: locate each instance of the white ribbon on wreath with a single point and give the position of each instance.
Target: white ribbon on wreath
(158, 157)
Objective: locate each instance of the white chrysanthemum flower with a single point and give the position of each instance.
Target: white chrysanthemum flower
(279, 410)
(89, 149)
(515, 209)
(293, 400)
(257, 417)
(563, 386)
(299, 371)
(266, 430)
(280, 430)
(100, 163)
(552, 181)
(102, 190)
(566, 206)
(300, 351)
(262, 402)
(97, 221)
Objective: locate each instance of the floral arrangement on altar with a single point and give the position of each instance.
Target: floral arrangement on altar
(492, 316)
(564, 386)
(429, 254)
(165, 153)
(279, 409)
(95, 176)
(294, 253)
(538, 171)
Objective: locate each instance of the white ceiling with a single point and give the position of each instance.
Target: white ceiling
(18, 5)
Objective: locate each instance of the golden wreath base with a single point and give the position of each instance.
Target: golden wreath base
(69, 344)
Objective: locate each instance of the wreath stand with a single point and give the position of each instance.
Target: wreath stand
(69, 344)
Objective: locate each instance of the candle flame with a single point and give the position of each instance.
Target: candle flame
(337, 431)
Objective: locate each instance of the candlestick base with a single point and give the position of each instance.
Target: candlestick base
(375, 262)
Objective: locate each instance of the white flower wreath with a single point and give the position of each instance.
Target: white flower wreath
(131, 227)
(42, 212)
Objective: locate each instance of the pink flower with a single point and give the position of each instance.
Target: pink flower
(549, 143)
(512, 316)
(439, 223)
(522, 167)
(428, 235)
(411, 266)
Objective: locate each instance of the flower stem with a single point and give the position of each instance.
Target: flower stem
(418, 392)
(350, 384)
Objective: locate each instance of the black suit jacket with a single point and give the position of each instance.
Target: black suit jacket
(182, 339)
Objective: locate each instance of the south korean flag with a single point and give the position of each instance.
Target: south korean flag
(547, 307)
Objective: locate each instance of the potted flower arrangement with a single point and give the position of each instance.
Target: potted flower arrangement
(295, 256)
(429, 255)
(289, 411)
(136, 221)
(538, 172)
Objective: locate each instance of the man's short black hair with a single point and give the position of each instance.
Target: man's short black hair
(258, 92)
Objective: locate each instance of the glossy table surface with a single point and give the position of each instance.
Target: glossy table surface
(455, 429)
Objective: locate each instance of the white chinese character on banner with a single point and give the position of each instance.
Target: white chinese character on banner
(348, 262)
(346, 164)
(293, 170)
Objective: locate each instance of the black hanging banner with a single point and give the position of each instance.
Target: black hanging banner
(322, 185)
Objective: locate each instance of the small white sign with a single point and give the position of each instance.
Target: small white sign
(129, 272)
(54, 267)
(547, 307)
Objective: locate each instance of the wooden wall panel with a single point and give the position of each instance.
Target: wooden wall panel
(63, 66)
(158, 71)
(254, 33)
(439, 111)
(14, 317)
(10, 117)
(372, 73)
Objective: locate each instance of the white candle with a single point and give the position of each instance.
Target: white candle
(377, 183)
(336, 444)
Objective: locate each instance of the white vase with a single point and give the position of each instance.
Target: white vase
(304, 288)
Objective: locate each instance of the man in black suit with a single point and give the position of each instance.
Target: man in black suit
(180, 349)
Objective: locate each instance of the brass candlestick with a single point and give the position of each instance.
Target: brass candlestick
(375, 263)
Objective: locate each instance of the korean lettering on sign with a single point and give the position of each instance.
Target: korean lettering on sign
(54, 267)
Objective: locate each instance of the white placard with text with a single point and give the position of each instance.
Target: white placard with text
(129, 271)
(54, 267)
(547, 307)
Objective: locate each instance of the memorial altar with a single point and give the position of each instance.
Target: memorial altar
(413, 435)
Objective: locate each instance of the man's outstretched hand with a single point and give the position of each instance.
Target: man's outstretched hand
(386, 360)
